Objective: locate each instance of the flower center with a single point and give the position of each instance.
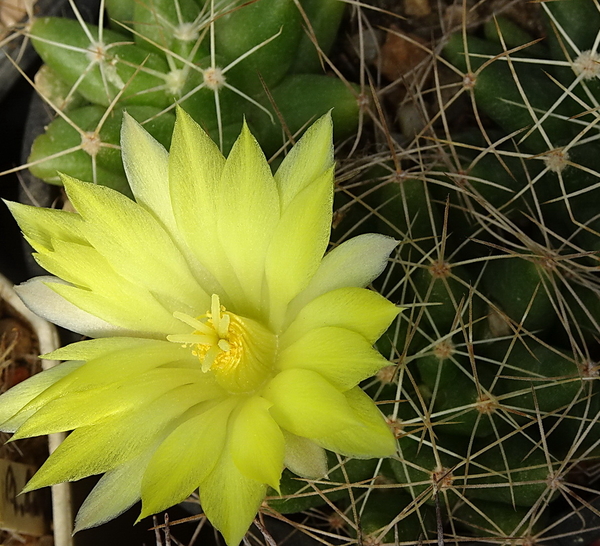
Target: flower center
(238, 350)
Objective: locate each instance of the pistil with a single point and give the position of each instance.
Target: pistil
(238, 350)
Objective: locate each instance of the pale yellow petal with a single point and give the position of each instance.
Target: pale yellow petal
(231, 500)
(115, 492)
(363, 311)
(185, 458)
(146, 164)
(120, 230)
(257, 443)
(309, 159)
(101, 291)
(248, 212)
(119, 364)
(48, 304)
(77, 408)
(95, 348)
(20, 395)
(304, 458)
(356, 262)
(370, 437)
(299, 242)
(102, 447)
(341, 356)
(153, 322)
(195, 168)
(42, 225)
(141, 356)
(306, 404)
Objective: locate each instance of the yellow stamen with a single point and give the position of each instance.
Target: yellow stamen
(188, 339)
(215, 312)
(223, 327)
(194, 323)
(238, 350)
(209, 358)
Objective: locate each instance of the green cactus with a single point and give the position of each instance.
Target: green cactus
(221, 61)
(493, 389)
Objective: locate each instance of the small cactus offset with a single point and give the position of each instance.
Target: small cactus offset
(221, 61)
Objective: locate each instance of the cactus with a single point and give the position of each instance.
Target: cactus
(493, 384)
(221, 61)
(494, 391)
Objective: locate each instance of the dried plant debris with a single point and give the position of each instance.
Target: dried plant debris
(28, 514)
(13, 12)
(18, 348)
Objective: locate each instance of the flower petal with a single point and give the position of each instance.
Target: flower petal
(341, 356)
(298, 244)
(107, 445)
(195, 168)
(309, 159)
(248, 212)
(231, 500)
(20, 395)
(370, 437)
(48, 304)
(146, 165)
(256, 443)
(197, 443)
(95, 348)
(204, 226)
(41, 225)
(356, 262)
(117, 491)
(78, 408)
(120, 229)
(363, 311)
(306, 404)
(304, 458)
(102, 292)
(141, 355)
(140, 324)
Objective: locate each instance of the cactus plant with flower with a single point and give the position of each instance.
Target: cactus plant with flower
(227, 345)
(492, 388)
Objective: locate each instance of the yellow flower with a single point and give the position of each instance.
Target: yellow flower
(228, 346)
